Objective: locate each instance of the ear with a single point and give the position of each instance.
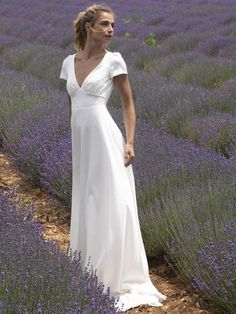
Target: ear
(87, 24)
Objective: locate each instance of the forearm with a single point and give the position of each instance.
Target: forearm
(129, 115)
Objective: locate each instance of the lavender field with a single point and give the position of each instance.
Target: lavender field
(182, 68)
(36, 277)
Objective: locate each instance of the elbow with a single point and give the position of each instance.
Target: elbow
(128, 103)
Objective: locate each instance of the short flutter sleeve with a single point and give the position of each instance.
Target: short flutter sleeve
(118, 65)
(64, 69)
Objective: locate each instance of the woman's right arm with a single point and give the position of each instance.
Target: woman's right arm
(69, 98)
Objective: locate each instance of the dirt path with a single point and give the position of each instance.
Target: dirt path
(57, 222)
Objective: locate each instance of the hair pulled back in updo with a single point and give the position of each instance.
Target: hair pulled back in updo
(90, 15)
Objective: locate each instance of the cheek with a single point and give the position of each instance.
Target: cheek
(101, 30)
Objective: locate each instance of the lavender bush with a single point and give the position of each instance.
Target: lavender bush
(212, 267)
(181, 66)
(217, 131)
(195, 228)
(36, 277)
(43, 62)
(56, 172)
(206, 73)
(20, 91)
(218, 262)
(38, 132)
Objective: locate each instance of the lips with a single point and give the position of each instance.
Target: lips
(108, 36)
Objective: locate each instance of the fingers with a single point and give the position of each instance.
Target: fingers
(128, 154)
(129, 157)
(128, 163)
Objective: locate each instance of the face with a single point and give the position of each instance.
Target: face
(103, 27)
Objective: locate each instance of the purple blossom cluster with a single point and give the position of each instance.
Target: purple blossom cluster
(56, 172)
(217, 260)
(217, 131)
(43, 62)
(201, 235)
(175, 109)
(180, 57)
(209, 73)
(51, 23)
(31, 30)
(35, 143)
(220, 262)
(36, 276)
(216, 45)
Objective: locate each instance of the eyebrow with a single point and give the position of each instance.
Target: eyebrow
(107, 21)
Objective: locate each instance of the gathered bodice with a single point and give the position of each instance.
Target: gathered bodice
(98, 84)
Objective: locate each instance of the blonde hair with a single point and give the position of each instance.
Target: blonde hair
(90, 15)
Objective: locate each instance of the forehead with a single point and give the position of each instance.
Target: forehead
(105, 16)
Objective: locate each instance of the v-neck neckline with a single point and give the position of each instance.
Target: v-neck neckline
(89, 72)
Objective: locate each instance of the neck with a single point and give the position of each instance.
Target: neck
(94, 49)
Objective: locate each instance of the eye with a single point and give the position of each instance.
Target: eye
(106, 23)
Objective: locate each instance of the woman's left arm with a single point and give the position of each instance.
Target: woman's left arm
(122, 84)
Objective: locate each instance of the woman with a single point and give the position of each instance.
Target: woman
(104, 217)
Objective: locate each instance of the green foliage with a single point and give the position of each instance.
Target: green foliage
(224, 140)
(128, 35)
(151, 40)
(127, 20)
(208, 74)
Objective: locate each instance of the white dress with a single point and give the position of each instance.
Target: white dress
(104, 217)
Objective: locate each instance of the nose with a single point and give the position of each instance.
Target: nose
(110, 28)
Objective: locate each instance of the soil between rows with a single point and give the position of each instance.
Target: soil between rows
(56, 220)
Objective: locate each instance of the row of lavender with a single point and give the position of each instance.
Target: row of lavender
(191, 54)
(182, 188)
(36, 276)
(207, 26)
(184, 191)
(207, 117)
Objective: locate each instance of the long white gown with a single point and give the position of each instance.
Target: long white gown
(104, 217)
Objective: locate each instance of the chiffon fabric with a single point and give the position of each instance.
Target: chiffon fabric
(104, 217)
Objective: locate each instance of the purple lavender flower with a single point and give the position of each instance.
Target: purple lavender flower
(37, 275)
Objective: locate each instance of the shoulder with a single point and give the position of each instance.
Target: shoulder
(115, 54)
(116, 57)
(117, 64)
(66, 66)
(67, 61)
(68, 58)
